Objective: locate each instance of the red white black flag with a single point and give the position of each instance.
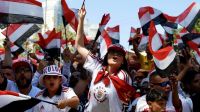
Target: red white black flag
(21, 11)
(12, 102)
(114, 33)
(18, 33)
(190, 17)
(162, 57)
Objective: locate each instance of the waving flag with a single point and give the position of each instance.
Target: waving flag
(189, 17)
(148, 14)
(11, 101)
(132, 34)
(50, 39)
(105, 42)
(114, 34)
(18, 11)
(161, 56)
(16, 51)
(102, 24)
(18, 33)
(50, 42)
(70, 17)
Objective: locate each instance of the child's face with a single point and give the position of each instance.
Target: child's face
(52, 83)
(157, 106)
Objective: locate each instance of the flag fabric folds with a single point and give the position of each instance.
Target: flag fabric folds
(114, 33)
(162, 57)
(50, 42)
(190, 17)
(105, 42)
(17, 11)
(102, 24)
(11, 102)
(70, 17)
(18, 33)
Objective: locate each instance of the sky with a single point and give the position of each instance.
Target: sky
(125, 12)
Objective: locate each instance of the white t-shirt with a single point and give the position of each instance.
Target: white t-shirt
(102, 98)
(142, 104)
(66, 93)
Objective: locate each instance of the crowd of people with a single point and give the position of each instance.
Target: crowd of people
(122, 81)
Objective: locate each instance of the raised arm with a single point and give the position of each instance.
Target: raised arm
(8, 58)
(80, 34)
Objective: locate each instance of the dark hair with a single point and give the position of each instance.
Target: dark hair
(76, 76)
(58, 92)
(189, 76)
(6, 67)
(124, 66)
(155, 95)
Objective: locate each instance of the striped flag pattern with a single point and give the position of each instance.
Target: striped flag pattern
(114, 33)
(70, 17)
(162, 57)
(11, 101)
(50, 42)
(189, 17)
(15, 11)
(18, 33)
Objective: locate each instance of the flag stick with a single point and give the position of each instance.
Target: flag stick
(83, 4)
(46, 101)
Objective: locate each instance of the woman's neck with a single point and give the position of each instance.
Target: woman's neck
(51, 93)
(112, 70)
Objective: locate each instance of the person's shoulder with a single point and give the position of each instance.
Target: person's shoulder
(142, 104)
(40, 93)
(65, 89)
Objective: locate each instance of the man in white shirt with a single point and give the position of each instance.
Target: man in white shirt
(175, 101)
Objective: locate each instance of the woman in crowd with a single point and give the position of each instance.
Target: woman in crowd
(110, 88)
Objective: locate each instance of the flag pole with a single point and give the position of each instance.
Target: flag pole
(46, 101)
(83, 4)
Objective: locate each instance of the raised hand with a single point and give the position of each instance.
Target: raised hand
(82, 13)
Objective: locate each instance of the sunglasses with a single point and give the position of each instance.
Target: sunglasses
(163, 84)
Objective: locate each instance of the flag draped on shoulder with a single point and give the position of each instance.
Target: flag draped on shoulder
(18, 33)
(12, 102)
(114, 33)
(21, 11)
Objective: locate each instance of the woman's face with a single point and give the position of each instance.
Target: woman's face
(52, 83)
(115, 58)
